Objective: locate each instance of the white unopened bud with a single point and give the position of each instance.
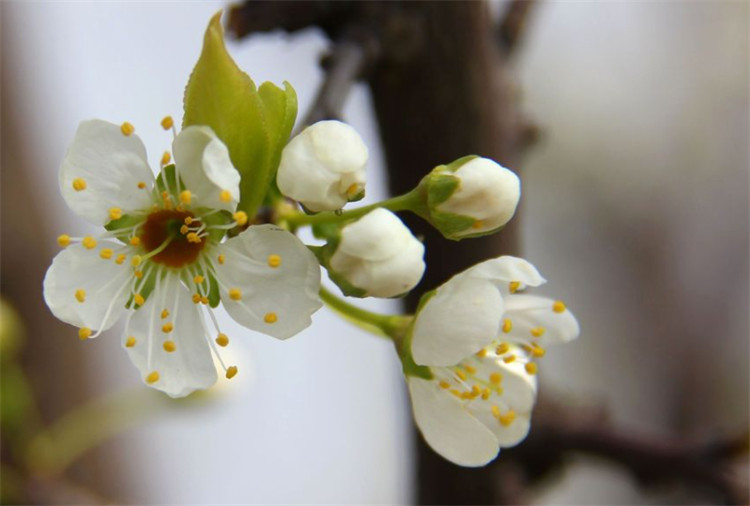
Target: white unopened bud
(379, 255)
(324, 166)
(471, 196)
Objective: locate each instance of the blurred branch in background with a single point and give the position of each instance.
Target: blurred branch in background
(437, 97)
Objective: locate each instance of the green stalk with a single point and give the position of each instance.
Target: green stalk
(389, 326)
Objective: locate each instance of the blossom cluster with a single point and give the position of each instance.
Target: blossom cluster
(176, 245)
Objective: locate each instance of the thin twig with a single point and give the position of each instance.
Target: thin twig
(513, 24)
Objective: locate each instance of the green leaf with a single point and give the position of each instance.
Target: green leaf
(253, 123)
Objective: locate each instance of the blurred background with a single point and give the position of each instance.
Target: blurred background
(635, 208)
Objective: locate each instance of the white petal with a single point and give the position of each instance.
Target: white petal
(378, 235)
(320, 164)
(390, 277)
(448, 428)
(460, 319)
(527, 312)
(111, 165)
(505, 269)
(105, 286)
(288, 291)
(203, 164)
(190, 367)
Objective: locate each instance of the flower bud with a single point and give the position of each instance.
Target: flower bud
(377, 256)
(324, 166)
(470, 197)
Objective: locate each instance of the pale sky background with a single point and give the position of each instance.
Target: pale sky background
(643, 106)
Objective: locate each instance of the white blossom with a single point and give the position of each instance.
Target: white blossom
(480, 339)
(379, 255)
(324, 166)
(163, 260)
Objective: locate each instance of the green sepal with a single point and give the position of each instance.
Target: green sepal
(167, 181)
(127, 222)
(214, 296)
(410, 367)
(253, 123)
(221, 218)
(324, 254)
(146, 286)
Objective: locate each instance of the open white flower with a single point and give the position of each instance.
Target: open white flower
(473, 332)
(324, 166)
(162, 262)
(379, 255)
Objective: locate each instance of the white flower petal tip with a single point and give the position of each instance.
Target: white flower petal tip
(105, 168)
(462, 317)
(83, 289)
(507, 270)
(378, 255)
(270, 281)
(203, 162)
(324, 166)
(469, 411)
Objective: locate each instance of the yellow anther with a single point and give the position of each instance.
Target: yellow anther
(531, 367)
(193, 237)
(470, 369)
(538, 331)
(502, 348)
(444, 385)
(198, 279)
(270, 318)
(166, 158)
(225, 196)
(153, 377)
(184, 229)
(136, 261)
(231, 372)
(130, 342)
(274, 261)
(467, 395)
(507, 325)
(460, 374)
(164, 313)
(138, 299)
(240, 217)
(84, 333)
(188, 220)
(180, 208)
(509, 359)
(221, 259)
(89, 242)
(222, 340)
(127, 129)
(476, 390)
(135, 241)
(507, 418)
(141, 185)
(455, 392)
(485, 394)
(204, 299)
(169, 346)
(186, 196)
(496, 378)
(165, 195)
(106, 253)
(514, 286)
(81, 295)
(197, 298)
(235, 294)
(167, 328)
(353, 189)
(558, 306)
(495, 411)
(477, 224)
(538, 351)
(115, 213)
(63, 240)
(167, 122)
(79, 184)
(120, 259)
(481, 353)
(138, 274)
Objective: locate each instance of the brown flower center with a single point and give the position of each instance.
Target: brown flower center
(165, 224)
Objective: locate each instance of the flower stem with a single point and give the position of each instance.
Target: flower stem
(403, 202)
(389, 326)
